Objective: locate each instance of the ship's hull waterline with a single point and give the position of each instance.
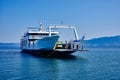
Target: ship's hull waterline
(48, 53)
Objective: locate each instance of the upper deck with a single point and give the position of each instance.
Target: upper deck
(37, 33)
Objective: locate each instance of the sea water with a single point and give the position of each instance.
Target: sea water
(96, 64)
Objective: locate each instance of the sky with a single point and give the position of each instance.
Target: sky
(95, 18)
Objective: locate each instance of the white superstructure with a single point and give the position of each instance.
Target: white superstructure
(37, 39)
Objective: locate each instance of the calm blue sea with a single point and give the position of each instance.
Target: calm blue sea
(96, 64)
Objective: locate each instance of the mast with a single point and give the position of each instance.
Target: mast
(40, 25)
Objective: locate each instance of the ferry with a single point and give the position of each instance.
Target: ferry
(41, 42)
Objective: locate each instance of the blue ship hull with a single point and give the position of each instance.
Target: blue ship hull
(45, 47)
(47, 43)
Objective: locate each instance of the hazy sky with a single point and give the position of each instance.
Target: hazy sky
(95, 18)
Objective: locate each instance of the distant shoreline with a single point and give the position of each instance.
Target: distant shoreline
(113, 41)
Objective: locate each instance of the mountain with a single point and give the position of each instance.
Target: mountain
(103, 41)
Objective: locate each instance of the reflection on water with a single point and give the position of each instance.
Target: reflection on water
(98, 64)
(52, 68)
